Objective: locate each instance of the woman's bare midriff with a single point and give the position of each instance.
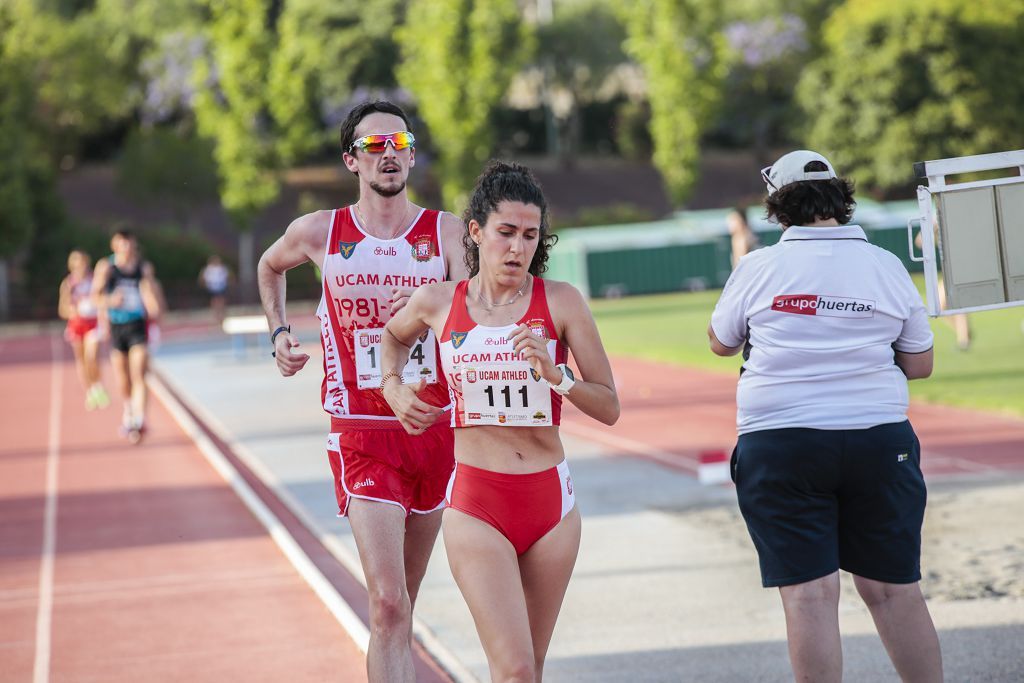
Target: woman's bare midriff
(513, 450)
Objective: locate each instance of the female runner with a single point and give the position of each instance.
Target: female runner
(511, 528)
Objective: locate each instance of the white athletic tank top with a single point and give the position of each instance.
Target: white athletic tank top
(358, 274)
(491, 385)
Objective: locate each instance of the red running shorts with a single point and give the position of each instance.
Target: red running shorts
(522, 507)
(392, 466)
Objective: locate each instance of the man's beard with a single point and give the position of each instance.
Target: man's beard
(386, 191)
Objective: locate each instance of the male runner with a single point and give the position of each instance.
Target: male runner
(126, 287)
(372, 255)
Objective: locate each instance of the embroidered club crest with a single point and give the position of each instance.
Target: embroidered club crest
(346, 249)
(458, 338)
(423, 248)
(423, 337)
(538, 327)
(470, 376)
(535, 375)
(501, 418)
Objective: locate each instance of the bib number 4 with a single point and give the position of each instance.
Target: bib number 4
(422, 359)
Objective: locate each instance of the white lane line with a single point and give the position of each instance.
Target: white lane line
(44, 615)
(348, 619)
(452, 665)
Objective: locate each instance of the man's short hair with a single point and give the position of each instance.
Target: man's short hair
(360, 112)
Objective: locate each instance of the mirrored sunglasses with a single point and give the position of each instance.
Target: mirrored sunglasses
(375, 144)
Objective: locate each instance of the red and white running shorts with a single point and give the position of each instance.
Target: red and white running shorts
(391, 466)
(79, 328)
(523, 507)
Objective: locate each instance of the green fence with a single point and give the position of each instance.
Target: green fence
(690, 251)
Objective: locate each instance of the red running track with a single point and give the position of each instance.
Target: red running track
(672, 414)
(159, 572)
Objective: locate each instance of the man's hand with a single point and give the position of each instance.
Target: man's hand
(399, 298)
(415, 415)
(288, 360)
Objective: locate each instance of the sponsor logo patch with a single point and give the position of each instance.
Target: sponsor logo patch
(501, 418)
(346, 249)
(823, 304)
(361, 484)
(568, 485)
(902, 457)
(458, 338)
(540, 415)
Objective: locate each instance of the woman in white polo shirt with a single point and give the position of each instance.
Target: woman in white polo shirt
(827, 466)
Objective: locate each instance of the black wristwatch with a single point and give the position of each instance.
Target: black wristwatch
(273, 335)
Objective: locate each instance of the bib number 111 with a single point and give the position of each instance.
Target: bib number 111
(507, 392)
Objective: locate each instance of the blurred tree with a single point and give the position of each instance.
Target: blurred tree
(458, 58)
(903, 81)
(17, 220)
(582, 47)
(683, 53)
(325, 49)
(232, 110)
(758, 106)
(82, 86)
(165, 165)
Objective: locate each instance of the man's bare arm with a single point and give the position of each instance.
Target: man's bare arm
(304, 240)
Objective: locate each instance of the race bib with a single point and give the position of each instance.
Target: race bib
(507, 394)
(422, 359)
(131, 298)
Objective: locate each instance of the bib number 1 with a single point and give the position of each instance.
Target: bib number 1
(422, 359)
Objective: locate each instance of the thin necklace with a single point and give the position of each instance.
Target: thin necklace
(491, 305)
(366, 225)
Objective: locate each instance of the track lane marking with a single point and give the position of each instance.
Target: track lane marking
(44, 614)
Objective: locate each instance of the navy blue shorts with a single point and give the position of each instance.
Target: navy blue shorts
(818, 500)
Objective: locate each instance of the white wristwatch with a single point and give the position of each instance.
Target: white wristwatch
(567, 382)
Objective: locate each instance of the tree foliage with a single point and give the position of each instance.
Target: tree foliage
(458, 58)
(231, 105)
(679, 45)
(17, 220)
(324, 50)
(904, 81)
(579, 49)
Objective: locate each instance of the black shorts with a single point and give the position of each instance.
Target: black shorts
(818, 500)
(123, 336)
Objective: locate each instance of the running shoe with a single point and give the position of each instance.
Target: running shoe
(135, 435)
(99, 396)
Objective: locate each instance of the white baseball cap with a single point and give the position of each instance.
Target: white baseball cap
(790, 169)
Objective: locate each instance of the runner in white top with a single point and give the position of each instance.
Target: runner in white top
(372, 255)
(511, 529)
(215, 278)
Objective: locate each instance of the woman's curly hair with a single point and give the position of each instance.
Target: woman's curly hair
(807, 201)
(503, 181)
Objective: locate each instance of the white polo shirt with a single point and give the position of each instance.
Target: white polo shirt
(821, 313)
